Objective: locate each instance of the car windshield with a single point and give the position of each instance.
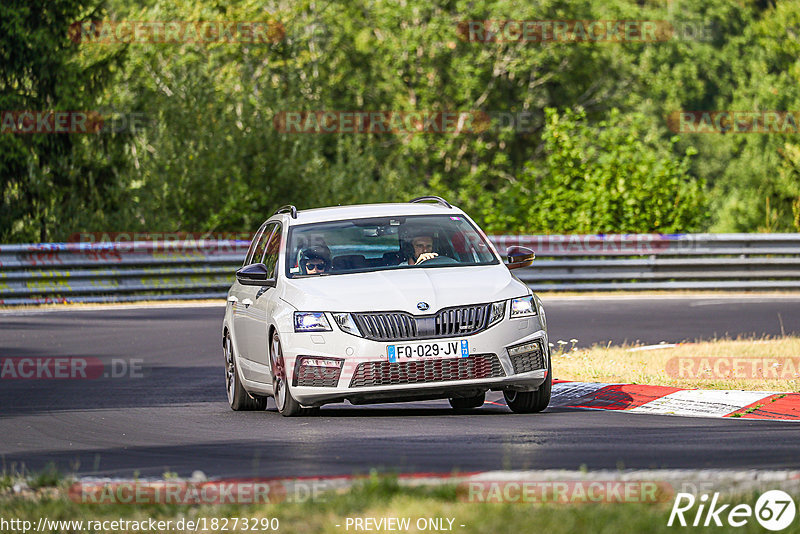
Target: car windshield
(385, 243)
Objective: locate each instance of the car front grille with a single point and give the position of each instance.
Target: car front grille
(529, 361)
(473, 367)
(398, 326)
(387, 326)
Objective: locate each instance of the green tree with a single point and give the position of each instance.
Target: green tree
(211, 157)
(605, 177)
(51, 183)
(757, 188)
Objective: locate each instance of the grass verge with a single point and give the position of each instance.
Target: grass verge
(743, 364)
(375, 497)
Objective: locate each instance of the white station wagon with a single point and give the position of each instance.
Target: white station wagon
(382, 303)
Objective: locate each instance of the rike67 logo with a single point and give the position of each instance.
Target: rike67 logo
(774, 510)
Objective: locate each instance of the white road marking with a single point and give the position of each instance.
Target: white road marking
(702, 402)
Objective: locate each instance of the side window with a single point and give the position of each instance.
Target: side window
(256, 237)
(272, 251)
(258, 253)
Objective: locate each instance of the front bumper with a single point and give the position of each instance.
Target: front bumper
(368, 376)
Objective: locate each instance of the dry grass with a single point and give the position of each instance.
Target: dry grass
(742, 364)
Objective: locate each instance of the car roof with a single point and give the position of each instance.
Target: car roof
(361, 211)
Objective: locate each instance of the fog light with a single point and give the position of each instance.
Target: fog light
(322, 362)
(527, 357)
(313, 371)
(524, 349)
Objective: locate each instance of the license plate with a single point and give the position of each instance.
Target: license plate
(431, 350)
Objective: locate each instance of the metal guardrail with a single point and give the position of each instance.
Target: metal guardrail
(117, 272)
(656, 261)
(159, 270)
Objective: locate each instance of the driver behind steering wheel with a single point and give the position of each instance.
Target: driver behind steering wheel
(421, 247)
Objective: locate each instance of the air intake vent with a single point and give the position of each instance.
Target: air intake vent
(476, 366)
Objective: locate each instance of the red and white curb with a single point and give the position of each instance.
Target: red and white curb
(664, 400)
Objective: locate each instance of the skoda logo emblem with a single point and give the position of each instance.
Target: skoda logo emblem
(422, 306)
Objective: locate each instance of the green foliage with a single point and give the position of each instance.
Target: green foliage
(758, 187)
(605, 177)
(209, 156)
(374, 499)
(47, 179)
(47, 477)
(610, 177)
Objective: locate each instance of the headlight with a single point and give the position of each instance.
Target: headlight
(311, 322)
(522, 307)
(346, 323)
(497, 312)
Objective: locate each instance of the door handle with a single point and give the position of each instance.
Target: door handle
(247, 303)
(233, 299)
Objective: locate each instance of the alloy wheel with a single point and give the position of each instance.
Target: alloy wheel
(230, 368)
(278, 373)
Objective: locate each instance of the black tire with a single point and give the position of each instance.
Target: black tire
(531, 401)
(238, 398)
(287, 405)
(463, 404)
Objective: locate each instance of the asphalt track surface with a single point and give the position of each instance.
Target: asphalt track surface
(175, 416)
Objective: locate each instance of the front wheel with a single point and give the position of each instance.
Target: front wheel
(287, 405)
(238, 398)
(530, 401)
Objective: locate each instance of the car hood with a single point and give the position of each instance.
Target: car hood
(403, 289)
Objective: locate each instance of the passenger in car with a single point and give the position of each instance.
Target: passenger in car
(315, 260)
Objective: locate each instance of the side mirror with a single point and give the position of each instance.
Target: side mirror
(256, 274)
(519, 257)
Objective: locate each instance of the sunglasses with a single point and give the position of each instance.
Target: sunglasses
(315, 266)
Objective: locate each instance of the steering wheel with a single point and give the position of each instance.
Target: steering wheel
(438, 260)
